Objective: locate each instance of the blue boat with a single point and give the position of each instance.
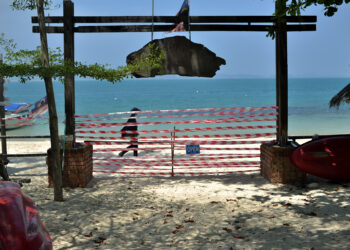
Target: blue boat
(21, 114)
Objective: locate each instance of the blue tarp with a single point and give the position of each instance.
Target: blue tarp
(15, 106)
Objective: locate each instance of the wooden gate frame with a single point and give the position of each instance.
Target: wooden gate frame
(206, 23)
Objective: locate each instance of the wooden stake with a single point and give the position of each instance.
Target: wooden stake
(172, 151)
(281, 79)
(55, 146)
(69, 84)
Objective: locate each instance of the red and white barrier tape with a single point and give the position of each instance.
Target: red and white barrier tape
(239, 112)
(165, 148)
(172, 111)
(177, 173)
(257, 135)
(211, 166)
(185, 142)
(167, 169)
(187, 130)
(128, 149)
(168, 157)
(227, 120)
(224, 149)
(136, 168)
(157, 163)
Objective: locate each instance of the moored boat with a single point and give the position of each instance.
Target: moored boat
(21, 114)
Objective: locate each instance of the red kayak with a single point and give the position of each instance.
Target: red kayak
(327, 158)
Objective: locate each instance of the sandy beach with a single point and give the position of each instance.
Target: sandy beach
(236, 211)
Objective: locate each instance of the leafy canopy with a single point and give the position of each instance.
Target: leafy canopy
(27, 64)
(330, 6)
(29, 4)
(294, 8)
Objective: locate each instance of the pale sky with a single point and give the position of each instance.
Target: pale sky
(321, 53)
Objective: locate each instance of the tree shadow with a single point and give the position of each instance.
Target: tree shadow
(129, 215)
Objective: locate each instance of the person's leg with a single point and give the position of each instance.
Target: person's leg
(135, 151)
(134, 145)
(123, 153)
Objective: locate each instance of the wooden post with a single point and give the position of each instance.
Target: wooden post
(172, 151)
(69, 88)
(57, 170)
(281, 75)
(4, 161)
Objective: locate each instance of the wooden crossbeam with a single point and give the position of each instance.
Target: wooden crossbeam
(173, 19)
(165, 28)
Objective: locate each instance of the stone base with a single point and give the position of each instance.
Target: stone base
(276, 166)
(77, 170)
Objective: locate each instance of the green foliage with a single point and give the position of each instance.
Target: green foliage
(27, 64)
(28, 4)
(294, 8)
(330, 6)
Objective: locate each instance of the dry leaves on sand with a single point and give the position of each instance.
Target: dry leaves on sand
(189, 220)
(169, 214)
(88, 235)
(100, 240)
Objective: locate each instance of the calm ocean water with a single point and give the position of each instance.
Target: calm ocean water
(308, 99)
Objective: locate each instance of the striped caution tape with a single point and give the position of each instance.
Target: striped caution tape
(177, 173)
(256, 135)
(202, 156)
(186, 130)
(157, 163)
(174, 111)
(228, 120)
(184, 142)
(250, 113)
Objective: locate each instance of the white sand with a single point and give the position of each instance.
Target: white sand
(206, 212)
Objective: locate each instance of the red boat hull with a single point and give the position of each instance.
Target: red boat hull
(327, 158)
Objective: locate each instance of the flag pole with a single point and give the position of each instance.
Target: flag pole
(152, 19)
(189, 24)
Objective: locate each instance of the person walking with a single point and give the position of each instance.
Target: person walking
(130, 130)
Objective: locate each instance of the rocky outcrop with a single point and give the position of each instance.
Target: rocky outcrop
(182, 57)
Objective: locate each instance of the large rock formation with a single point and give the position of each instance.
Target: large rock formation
(182, 57)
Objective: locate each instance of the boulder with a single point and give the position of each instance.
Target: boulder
(181, 57)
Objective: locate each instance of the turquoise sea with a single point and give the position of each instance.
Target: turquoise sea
(308, 99)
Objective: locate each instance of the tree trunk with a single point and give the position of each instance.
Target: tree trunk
(57, 169)
(4, 161)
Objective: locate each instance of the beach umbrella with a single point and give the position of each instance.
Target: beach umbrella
(342, 96)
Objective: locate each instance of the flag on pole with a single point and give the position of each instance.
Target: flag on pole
(185, 8)
(179, 28)
(182, 17)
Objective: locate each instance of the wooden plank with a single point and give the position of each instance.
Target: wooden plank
(172, 19)
(26, 155)
(69, 84)
(49, 19)
(25, 136)
(49, 29)
(303, 27)
(165, 28)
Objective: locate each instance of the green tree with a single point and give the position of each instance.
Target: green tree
(28, 64)
(294, 7)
